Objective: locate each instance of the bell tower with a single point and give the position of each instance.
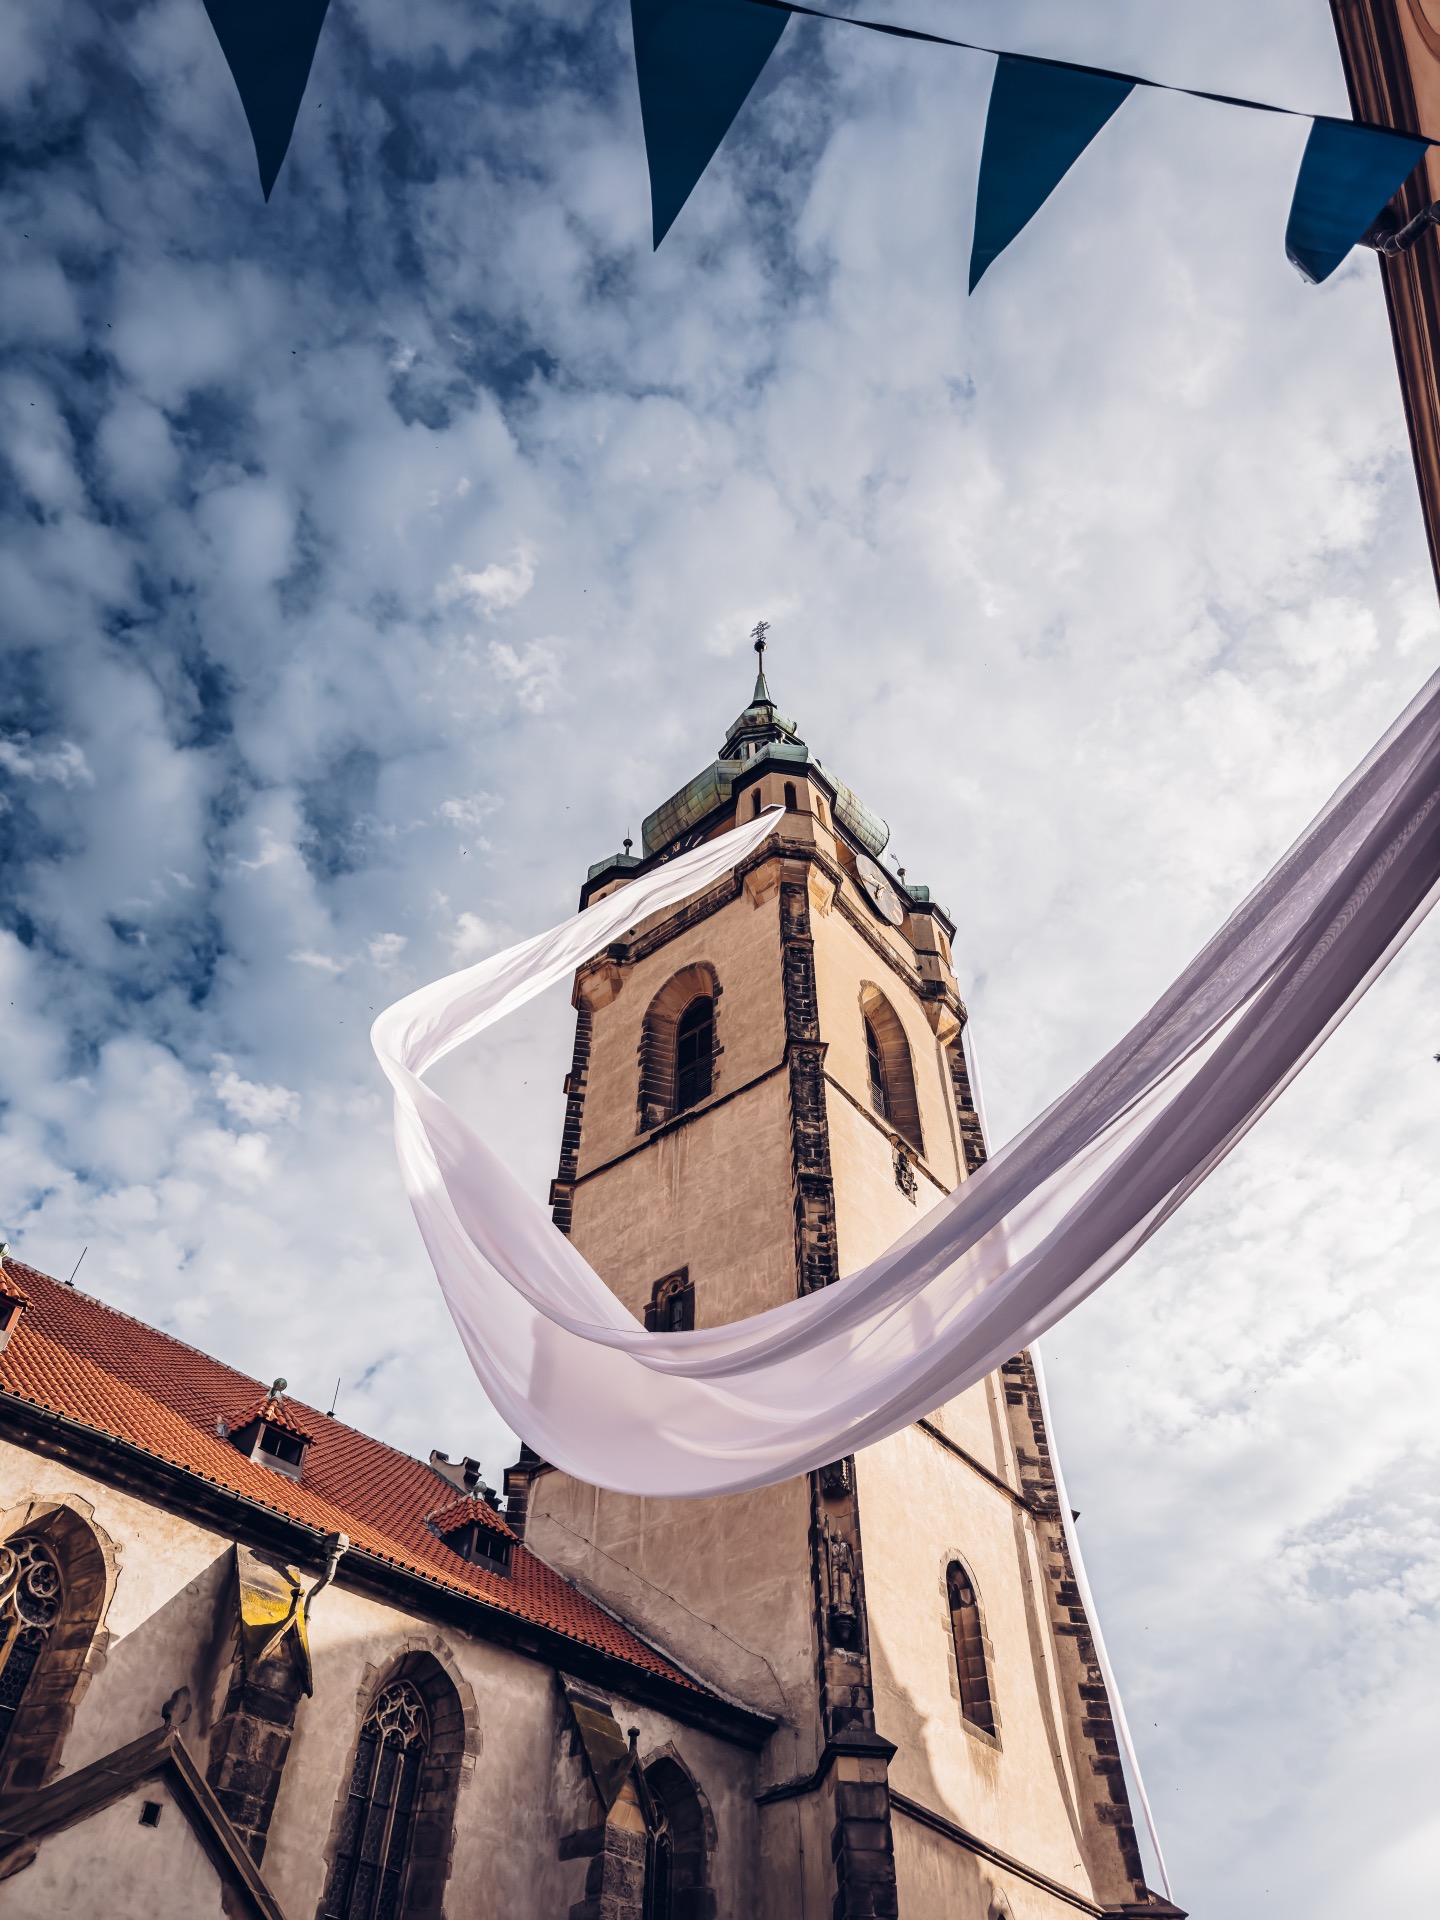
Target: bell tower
(768, 1087)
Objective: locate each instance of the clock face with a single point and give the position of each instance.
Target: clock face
(883, 896)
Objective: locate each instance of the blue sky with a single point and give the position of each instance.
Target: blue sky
(373, 561)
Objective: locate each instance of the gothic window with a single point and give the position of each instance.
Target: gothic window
(889, 1066)
(694, 1052)
(368, 1881)
(394, 1825)
(678, 1047)
(54, 1582)
(970, 1662)
(33, 1596)
(672, 1304)
(676, 1844)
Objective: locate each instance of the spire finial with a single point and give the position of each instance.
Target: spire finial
(761, 695)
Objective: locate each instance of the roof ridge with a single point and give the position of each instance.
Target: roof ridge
(263, 1392)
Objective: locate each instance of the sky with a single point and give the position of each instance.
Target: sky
(373, 561)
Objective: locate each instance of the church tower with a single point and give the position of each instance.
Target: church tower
(768, 1087)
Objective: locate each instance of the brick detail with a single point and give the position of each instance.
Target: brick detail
(615, 1878)
(1092, 1725)
(562, 1188)
(816, 1258)
(972, 1136)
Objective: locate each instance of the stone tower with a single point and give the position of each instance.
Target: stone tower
(768, 1086)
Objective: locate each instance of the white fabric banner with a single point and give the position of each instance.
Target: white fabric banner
(1039, 1227)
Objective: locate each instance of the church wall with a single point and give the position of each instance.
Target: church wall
(741, 941)
(922, 1508)
(168, 1628)
(149, 1873)
(940, 1880)
(705, 1195)
(844, 962)
(687, 1573)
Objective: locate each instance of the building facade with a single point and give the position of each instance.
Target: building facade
(254, 1662)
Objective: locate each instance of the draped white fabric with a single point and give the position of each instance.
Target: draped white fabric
(988, 1269)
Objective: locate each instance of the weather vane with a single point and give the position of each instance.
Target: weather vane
(758, 633)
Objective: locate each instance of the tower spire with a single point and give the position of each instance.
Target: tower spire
(761, 695)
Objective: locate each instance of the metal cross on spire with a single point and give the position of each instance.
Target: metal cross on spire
(762, 691)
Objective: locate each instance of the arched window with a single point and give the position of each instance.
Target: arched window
(676, 1854)
(754, 802)
(379, 1820)
(391, 1843)
(678, 1047)
(672, 1304)
(33, 1597)
(792, 804)
(976, 1705)
(694, 1053)
(54, 1583)
(888, 1063)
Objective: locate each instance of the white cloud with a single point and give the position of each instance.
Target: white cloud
(318, 962)
(493, 588)
(386, 948)
(65, 764)
(533, 671)
(248, 1100)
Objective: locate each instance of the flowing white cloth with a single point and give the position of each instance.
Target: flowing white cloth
(986, 1271)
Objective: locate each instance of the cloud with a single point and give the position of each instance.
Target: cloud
(260, 1106)
(533, 671)
(495, 587)
(65, 764)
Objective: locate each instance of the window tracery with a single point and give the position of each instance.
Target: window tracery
(32, 1596)
(378, 1822)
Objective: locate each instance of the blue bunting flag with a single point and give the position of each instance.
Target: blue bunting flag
(1347, 175)
(270, 45)
(1041, 119)
(696, 60)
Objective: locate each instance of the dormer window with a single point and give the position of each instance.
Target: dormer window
(272, 1435)
(12, 1302)
(472, 1529)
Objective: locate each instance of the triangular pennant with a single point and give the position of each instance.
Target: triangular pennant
(1041, 120)
(1347, 175)
(269, 45)
(696, 60)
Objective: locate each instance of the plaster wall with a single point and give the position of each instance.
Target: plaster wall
(721, 1585)
(110, 1864)
(513, 1802)
(940, 1880)
(845, 963)
(712, 1194)
(921, 1508)
(741, 941)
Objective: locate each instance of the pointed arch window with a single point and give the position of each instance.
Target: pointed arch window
(378, 1823)
(890, 1068)
(677, 1844)
(971, 1663)
(32, 1596)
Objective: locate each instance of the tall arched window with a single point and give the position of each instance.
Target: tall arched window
(890, 1069)
(694, 1053)
(55, 1580)
(368, 1881)
(394, 1826)
(676, 1853)
(677, 1046)
(31, 1598)
(971, 1665)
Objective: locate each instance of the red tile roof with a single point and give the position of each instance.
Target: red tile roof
(462, 1511)
(84, 1361)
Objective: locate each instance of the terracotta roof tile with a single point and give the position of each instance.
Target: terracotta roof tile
(275, 1412)
(462, 1511)
(81, 1359)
